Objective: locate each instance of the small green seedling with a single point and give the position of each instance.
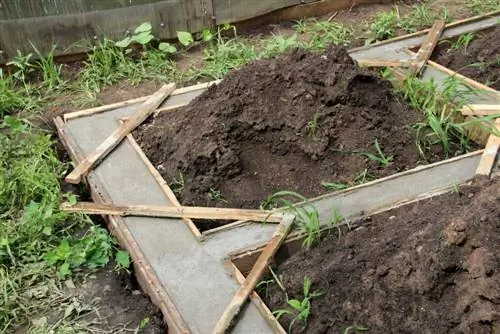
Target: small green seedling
(300, 309)
(312, 125)
(381, 158)
(306, 217)
(215, 195)
(177, 185)
(364, 176)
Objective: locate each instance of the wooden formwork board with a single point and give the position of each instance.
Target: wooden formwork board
(248, 254)
(242, 258)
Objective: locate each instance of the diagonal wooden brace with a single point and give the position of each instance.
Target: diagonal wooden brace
(425, 51)
(148, 107)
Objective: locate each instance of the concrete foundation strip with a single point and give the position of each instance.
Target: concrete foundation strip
(149, 106)
(425, 51)
(460, 170)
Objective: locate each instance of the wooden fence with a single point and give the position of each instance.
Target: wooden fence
(74, 25)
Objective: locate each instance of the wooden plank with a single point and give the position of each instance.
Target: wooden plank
(490, 153)
(119, 134)
(18, 9)
(427, 47)
(146, 276)
(112, 106)
(174, 212)
(481, 109)
(254, 276)
(383, 63)
(258, 302)
(239, 10)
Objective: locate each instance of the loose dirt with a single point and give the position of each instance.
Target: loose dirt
(430, 267)
(479, 60)
(284, 123)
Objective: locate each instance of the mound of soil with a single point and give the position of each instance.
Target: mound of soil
(479, 60)
(287, 123)
(430, 267)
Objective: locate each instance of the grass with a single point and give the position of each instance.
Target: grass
(299, 309)
(385, 24)
(335, 186)
(482, 6)
(306, 215)
(39, 245)
(443, 125)
(321, 34)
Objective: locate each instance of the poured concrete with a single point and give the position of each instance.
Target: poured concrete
(192, 272)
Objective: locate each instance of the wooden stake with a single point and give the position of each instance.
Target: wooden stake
(174, 212)
(481, 109)
(425, 51)
(490, 153)
(254, 276)
(119, 134)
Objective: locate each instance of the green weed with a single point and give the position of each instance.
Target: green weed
(177, 185)
(300, 309)
(215, 195)
(277, 44)
(23, 67)
(10, 97)
(306, 218)
(381, 158)
(364, 176)
(37, 241)
(483, 6)
(50, 71)
(222, 56)
(321, 34)
(334, 186)
(384, 24)
(312, 125)
(443, 125)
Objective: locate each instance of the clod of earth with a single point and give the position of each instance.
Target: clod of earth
(288, 123)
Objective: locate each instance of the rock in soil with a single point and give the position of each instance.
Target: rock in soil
(429, 267)
(479, 60)
(286, 123)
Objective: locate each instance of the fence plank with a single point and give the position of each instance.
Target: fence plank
(76, 32)
(239, 10)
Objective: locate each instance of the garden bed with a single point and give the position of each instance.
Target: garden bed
(475, 55)
(289, 123)
(428, 267)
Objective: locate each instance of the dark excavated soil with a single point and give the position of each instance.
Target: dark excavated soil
(430, 267)
(248, 136)
(480, 60)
